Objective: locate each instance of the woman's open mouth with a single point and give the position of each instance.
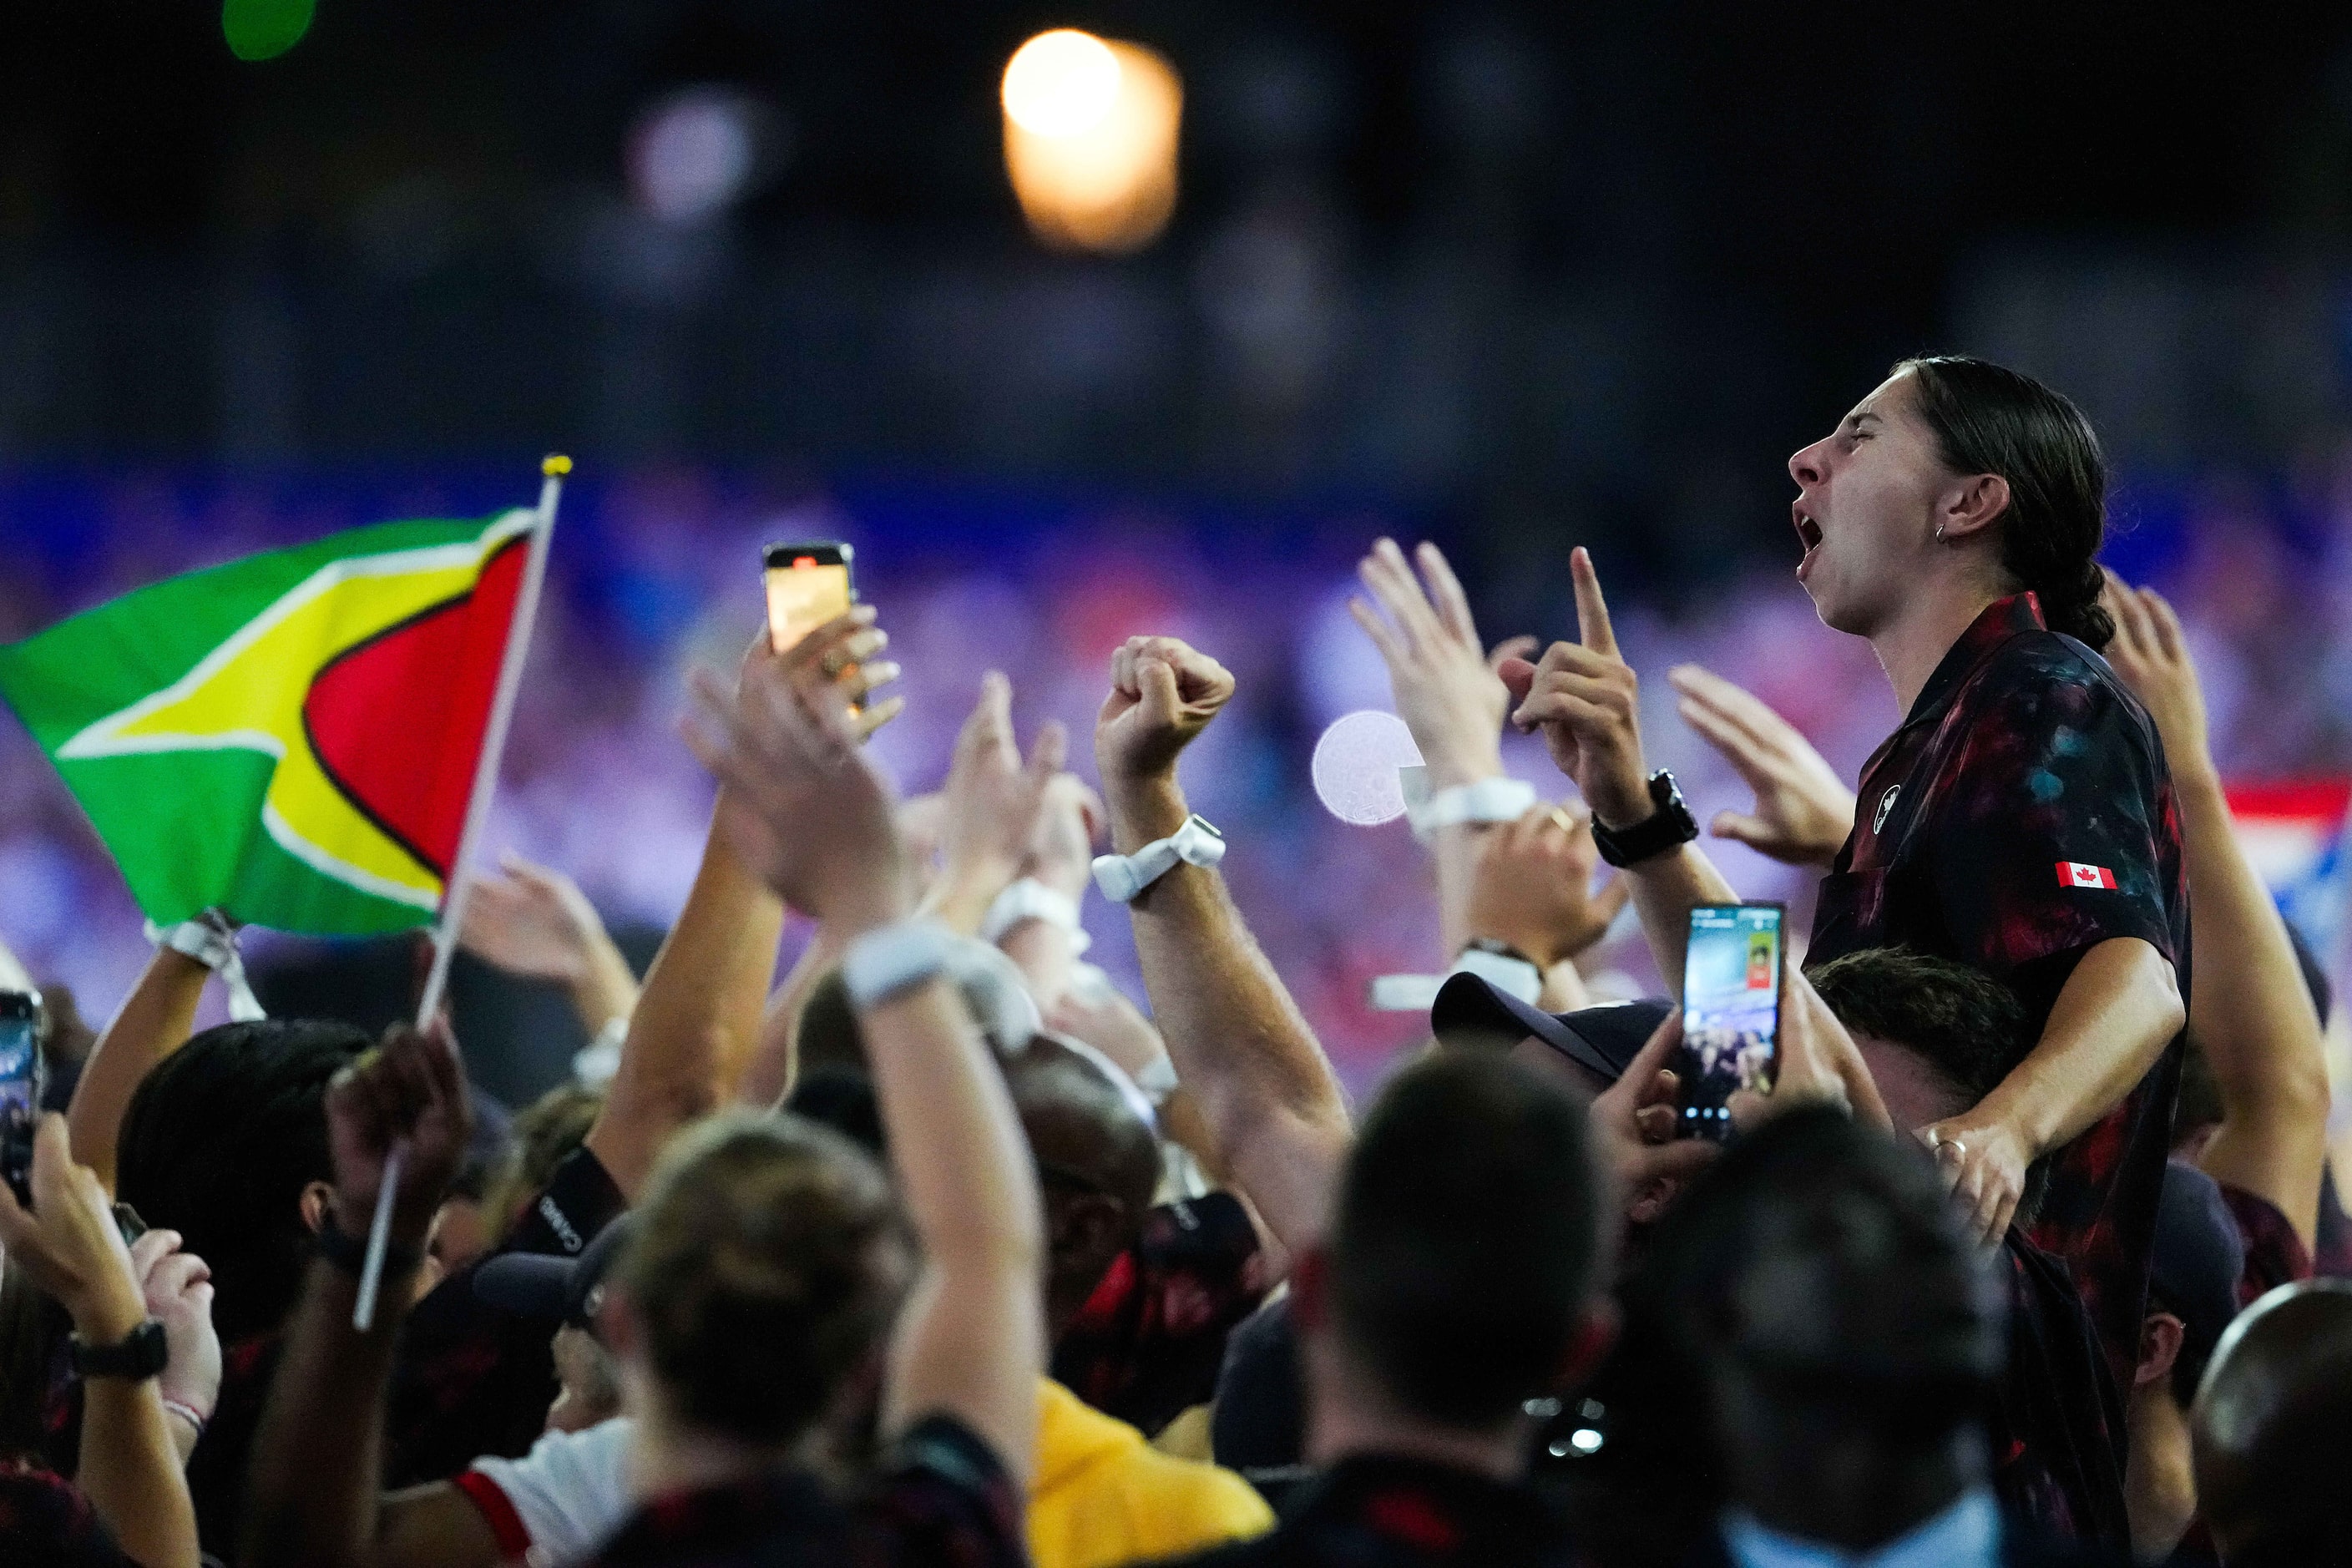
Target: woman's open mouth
(1809, 531)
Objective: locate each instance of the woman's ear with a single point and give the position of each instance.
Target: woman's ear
(1970, 506)
(314, 1205)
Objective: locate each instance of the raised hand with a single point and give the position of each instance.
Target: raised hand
(995, 802)
(801, 804)
(1818, 1062)
(1446, 689)
(1635, 1119)
(1803, 810)
(1062, 848)
(532, 922)
(2151, 652)
(1162, 695)
(178, 1290)
(1531, 886)
(409, 1091)
(1586, 700)
(68, 1245)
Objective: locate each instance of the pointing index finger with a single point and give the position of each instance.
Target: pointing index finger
(1591, 610)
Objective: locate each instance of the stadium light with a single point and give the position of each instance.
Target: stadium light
(1091, 131)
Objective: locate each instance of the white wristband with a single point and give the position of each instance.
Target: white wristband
(1418, 992)
(1488, 800)
(1031, 899)
(1122, 876)
(895, 958)
(211, 941)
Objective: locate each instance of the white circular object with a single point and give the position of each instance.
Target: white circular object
(1061, 83)
(1355, 767)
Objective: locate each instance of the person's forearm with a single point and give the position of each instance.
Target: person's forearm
(2111, 1022)
(775, 1068)
(972, 1340)
(2252, 1017)
(1564, 989)
(1454, 852)
(312, 1490)
(1666, 887)
(130, 1470)
(1240, 1046)
(155, 1020)
(606, 988)
(1047, 956)
(697, 1018)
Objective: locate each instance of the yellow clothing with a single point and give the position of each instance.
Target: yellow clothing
(1103, 1495)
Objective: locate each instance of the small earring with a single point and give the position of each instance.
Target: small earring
(1940, 533)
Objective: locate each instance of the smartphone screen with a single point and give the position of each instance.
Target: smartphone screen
(1731, 1012)
(808, 585)
(20, 1089)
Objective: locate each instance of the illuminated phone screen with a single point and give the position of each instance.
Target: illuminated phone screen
(1731, 1011)
(807, 586)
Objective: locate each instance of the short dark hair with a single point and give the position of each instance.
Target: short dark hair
(218, 1142)
(1466, 1243)
(1969, 1026)
(1988, 419)
(767, 1266)
(1819, 1262)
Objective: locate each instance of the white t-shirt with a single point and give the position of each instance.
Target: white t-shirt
(563, 1499)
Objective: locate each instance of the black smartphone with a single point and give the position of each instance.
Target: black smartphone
(1731, 1012)
(808, 585)
(20, 1089)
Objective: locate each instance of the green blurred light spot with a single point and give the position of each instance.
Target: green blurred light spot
(263, 29)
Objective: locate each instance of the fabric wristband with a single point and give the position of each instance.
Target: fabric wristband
(1031, 899)
(349, 1252)
(895, 958)
(1487, 801)
(1511, 975)
(211, 941)
(1122, 878)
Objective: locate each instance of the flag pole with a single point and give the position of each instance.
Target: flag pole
(452, 918)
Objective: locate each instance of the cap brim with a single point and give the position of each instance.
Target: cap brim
(1602, 1040)
(528, 1284)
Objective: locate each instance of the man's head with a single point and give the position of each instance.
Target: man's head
(1824, 1292)
(225, 1143)
(1464, 1269)
(567, 1293)
(1938, 1036)
(2192, 1289)
(2269, 1426)
(768, 1259)
(1097, 1164)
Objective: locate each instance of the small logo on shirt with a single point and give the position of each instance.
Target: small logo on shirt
(2075, 874)
(1885, 804)
(556, 1222)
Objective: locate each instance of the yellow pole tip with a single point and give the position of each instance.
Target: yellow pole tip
(554, 464)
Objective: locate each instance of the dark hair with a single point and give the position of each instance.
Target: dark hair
(1467, 1241)
(1968, 1026)
(1990, 420)
(1820, 1266)
(768, 1265)
(218, 1142)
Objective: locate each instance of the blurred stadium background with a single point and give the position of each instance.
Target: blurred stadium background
(1514, 277)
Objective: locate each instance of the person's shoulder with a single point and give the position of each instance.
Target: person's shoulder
(1203, 1494)
(2047, 677)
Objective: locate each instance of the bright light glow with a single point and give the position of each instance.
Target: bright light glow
(1090, 133)
(692, 155)
(1061, 83)
(1355, 767)
(1584, 1440)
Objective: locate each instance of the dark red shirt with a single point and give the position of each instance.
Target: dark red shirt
(1148, 1343)
(2022, 815)
(44, 1519)
(941, 1500)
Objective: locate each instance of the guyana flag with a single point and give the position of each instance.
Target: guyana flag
(290, 737)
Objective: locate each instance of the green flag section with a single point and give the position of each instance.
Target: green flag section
(291, 738)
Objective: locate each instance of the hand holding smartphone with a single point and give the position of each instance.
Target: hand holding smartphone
(808, 585)
(1731, 1012)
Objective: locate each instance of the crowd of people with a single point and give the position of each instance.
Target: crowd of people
(943, 1250)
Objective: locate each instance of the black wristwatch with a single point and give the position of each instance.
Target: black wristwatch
(1669, 826)
(138, 1356)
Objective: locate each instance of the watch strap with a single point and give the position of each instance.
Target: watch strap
(1668, 826)
(1489, 800)
(1121, 877)
(1031, 899)
(349, 1252)
(141, 1355)
(893, 959)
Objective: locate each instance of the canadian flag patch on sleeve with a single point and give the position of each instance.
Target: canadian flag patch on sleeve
(2075, 874)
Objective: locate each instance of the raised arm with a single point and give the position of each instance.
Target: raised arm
(2250, 1012)
(1803, 810)
(697, 1018)
(1583, 696)
(1272, 1104)
(155, 1020)
(990, 808)
(311, 1489)
(804, 807)
(70, 1246)
(536, 923)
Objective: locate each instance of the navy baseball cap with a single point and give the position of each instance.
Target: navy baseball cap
(2197, 1259)
(559, 1289)
(1602, 1040)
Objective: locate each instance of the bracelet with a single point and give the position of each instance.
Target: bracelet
(1031, 899)
(1122, 878)
(349, 1252)
(1490, 800)
(893, 959)
(187, 1413)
